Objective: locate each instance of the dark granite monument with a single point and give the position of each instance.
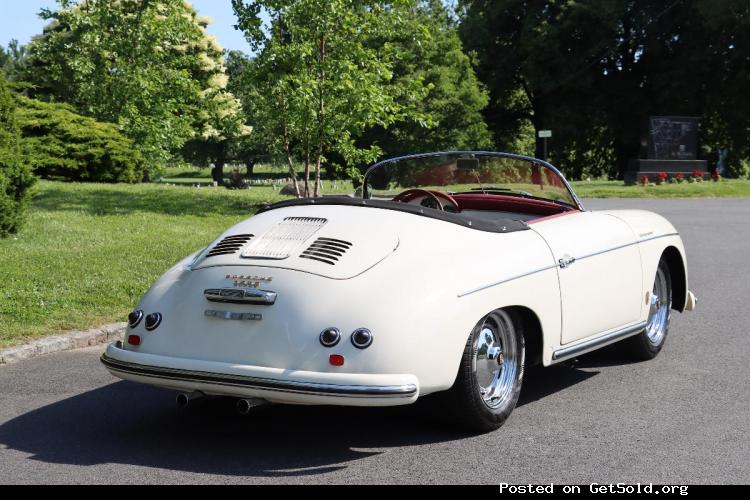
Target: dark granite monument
(671, 146)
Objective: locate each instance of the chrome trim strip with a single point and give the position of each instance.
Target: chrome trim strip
(619, 247)
(240, 296)
(657, 237)
(464, 294)
(590, 344)
(559, 264)
(266, 384)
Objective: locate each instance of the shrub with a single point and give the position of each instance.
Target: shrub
(644, 180)
(57, 142)
(15, 176)
(680, 178)
(697, 175)
(236, 181)
(661, 177)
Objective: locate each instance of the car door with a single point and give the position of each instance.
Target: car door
(599, 268)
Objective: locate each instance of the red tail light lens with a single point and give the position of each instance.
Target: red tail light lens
(336, 360)
(134, 339)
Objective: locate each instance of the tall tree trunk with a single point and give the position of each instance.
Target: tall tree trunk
(289, 160)
(217, 173)
(321, 110)
(250, 165)
(307, 152)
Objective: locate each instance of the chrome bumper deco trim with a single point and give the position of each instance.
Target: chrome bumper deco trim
(240, 296)
(311, 388)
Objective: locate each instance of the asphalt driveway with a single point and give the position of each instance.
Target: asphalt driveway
(681, 418)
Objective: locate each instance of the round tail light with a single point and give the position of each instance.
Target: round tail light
(134, 318)
(362, 338)
(330, 337)
(153, 321)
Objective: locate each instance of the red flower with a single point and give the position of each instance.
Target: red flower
(644, 180)
(663, 176)
(680, 176)
(698, 173)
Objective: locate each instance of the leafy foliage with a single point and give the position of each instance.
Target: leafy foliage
(12, 59)
(455, 97)
(319, 83)
(594, 71)
(146, 65)
(59, 143)
(15, 176)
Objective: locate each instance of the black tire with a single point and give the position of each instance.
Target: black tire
(647, 344)
(466, 402)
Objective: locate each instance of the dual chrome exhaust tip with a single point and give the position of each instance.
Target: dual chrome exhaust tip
(243, 405)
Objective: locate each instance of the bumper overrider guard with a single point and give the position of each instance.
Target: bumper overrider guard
(121, 367)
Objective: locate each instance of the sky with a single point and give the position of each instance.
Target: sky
(18, 19)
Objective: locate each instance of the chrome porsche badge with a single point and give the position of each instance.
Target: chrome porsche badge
(210, 313)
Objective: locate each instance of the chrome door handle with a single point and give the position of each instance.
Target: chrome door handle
(566, 261)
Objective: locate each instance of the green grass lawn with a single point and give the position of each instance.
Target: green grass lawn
(89, 251)
(707, 189)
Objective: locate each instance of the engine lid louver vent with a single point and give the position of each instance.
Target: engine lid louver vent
(327, 250)
(284, 239)
(229, 245)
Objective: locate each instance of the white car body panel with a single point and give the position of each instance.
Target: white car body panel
(602, 277)
(419, 284)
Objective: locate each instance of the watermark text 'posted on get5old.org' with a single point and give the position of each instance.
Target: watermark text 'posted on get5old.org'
(593, 488)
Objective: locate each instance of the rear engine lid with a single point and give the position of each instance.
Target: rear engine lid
(326, 241)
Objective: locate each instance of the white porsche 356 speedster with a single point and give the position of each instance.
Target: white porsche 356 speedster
(452, 272)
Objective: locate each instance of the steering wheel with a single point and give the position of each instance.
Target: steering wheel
(410, 194)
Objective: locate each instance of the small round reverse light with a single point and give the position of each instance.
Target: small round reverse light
(153, 321)
(330, 337)
(134, 339)
(362, 338)
(336, 359)
(134, 318)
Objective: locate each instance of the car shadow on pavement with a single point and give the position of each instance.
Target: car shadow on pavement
(136, 424)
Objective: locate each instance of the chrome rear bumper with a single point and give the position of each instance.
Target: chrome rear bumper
(235, 384)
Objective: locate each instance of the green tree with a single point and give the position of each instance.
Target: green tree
(594, 71)
(455, 97)
(530, 56)
(56, 142)
(147, 65)
(248, 148)
(224, 132)
(12, 59)
(320, 83)
(15, 176)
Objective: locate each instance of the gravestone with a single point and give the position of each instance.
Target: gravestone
(671, 146)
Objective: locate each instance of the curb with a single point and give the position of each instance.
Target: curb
(65, 342)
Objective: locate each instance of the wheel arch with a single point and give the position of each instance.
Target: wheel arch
(533, 333)
(677, 273)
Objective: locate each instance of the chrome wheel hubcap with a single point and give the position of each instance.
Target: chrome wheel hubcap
(661, 303)
(495, 360)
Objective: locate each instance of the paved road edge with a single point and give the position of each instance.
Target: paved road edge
(63, 342)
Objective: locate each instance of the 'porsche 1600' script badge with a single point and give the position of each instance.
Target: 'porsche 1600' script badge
(247, 280)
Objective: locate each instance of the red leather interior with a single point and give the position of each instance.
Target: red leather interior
(508, 204)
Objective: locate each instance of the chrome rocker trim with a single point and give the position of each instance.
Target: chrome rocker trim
(579, 348)
(311, 388)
